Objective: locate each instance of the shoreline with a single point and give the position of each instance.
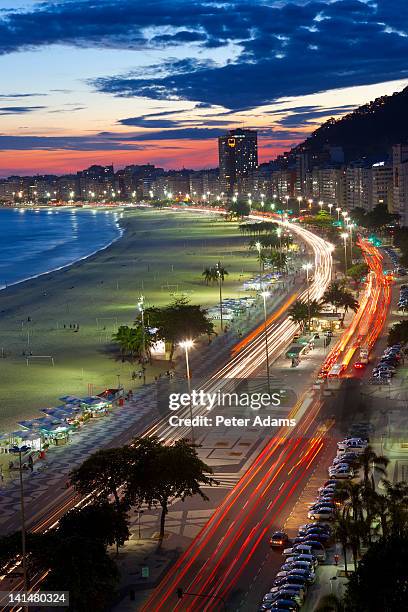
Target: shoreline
(71, 263)
(159, 254)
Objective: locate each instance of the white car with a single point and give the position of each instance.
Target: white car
(342, 473)
(299, 549)
(312, 559)
(352, 444)
(320, 515)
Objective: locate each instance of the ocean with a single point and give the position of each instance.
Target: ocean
(33, 242)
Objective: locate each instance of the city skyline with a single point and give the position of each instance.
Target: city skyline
(125, 84)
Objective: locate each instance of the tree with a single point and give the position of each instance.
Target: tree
(208, 275)
(163, 472)
(239, 208)
(380, 582)
(358, 271)
(103, 521)
(333, 295)
(122, 338)
(398, 333)
(397, 505)
(370, 462)
(299, 313)
(102, 474)
(178, 321)
(329, 603)
(133, 342)
(341, 533)
(79, 565)
(338, 296)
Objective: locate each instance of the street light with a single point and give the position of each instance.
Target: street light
(186, 345)
(299, 199)
(338, 211)
(330, 206)
(307, 267)
(266, 294)
(345, 235)
(259, 249)
(19, 450)
(321, 204)
(140, 305)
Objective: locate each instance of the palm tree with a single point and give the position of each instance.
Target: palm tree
(208, 275)
(299, 313)
(370, 462)
(356, 532)
(333, 295)
(122, 338)
(216, 274)
(341, 533)
(348, 301)
(353, 492)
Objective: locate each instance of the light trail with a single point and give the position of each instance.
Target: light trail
(243, 364)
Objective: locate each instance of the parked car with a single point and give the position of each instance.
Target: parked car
(298, 549)
(321, 515)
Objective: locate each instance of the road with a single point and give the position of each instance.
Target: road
(226, 555)
(244, 363)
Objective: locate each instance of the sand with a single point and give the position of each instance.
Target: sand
(161, 253)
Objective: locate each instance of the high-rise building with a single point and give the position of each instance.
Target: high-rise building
(359, 186)
(400, 182)
(382, 183)
(238, 160)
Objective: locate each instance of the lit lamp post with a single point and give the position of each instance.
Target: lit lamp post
(259, 249)
(345, 235)
(321, 204)
(266, 294)
(307, 267)
(299, 199)
(287, 201)
(140, 305)
(338, 211)
(330, 206)
(18, 450)
(310, 202)
(186, 345)
(350, 226)
(279, 235)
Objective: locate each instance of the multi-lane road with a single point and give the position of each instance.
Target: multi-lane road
(243, 363)
(227, 553)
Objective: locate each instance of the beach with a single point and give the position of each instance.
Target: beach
(69, 315)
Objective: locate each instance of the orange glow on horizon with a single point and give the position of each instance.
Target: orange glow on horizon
(168, 154)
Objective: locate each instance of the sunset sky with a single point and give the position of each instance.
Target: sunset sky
(132, 81)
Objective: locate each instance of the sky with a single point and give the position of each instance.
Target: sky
(155, 81)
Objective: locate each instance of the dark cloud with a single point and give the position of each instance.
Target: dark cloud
(286, 48)
(69, 143)
(19, 110)
(300, 117)
(193, 133)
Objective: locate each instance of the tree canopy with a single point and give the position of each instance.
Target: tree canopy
(398, 333)
(178, 321)
(380, 583)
